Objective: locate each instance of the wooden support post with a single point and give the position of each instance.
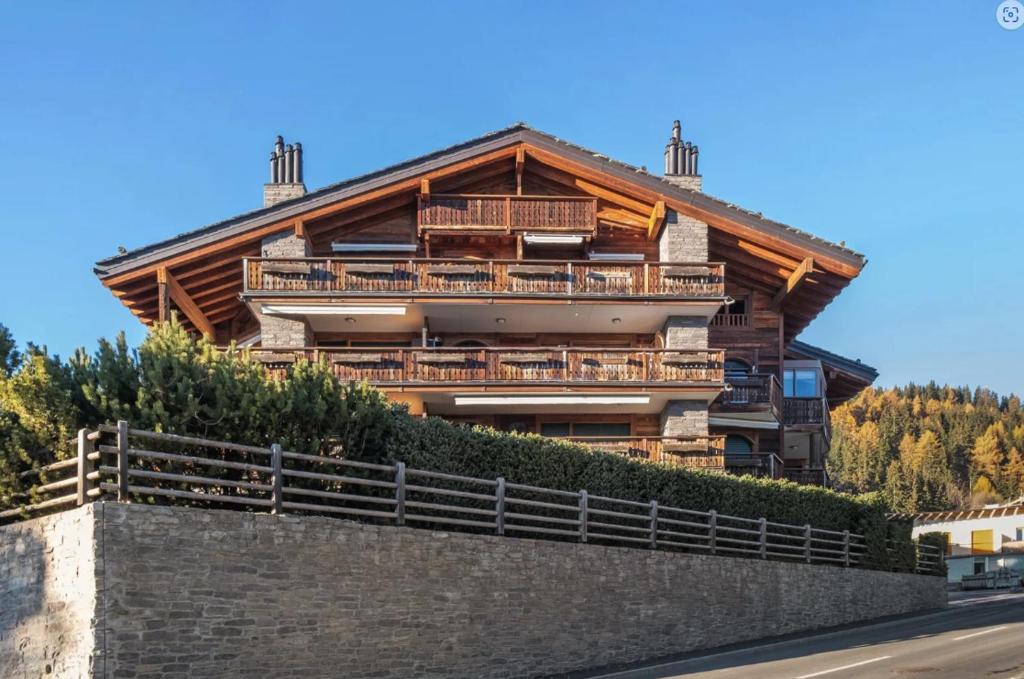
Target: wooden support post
(84, 448)
(796, 279)
(846, 548)
(656, 219)
(499, 506)
(163, 296)
(425, 189)
(583, 516)
(807, 543)
(400, 493)
(520, 164)
(654, 524)
(187, 306)
(277, 483)
(122, 461)
(764, 537)
(712, 531)
(302, 233)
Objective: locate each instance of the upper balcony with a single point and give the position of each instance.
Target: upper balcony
(505, 214)
(524, 379)
(466, 295)
(373, 278)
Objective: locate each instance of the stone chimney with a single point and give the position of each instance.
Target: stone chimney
(681, 161)
(285, 174)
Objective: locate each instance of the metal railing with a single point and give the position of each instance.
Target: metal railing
(374, 277)
(171, 469)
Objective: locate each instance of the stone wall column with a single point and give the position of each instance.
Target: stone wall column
(683, 239)
(282, 331)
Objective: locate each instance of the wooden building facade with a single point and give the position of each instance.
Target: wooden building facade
(526, 283)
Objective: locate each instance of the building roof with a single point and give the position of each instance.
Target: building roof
(520, 132)
(967, 514)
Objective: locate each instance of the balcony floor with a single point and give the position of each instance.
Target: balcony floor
(480, 315)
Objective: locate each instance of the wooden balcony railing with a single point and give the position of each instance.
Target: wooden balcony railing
(807, 477)
(694, 451)
(507, 214)
(729, 320)
(756, 390)
(808, 411)
(491, 278)
(767, 465)
(532, 365)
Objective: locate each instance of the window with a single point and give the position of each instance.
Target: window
(584, 429)
(800, 382)
(1020, 534)
(736, 368)
(949, 543)
(734, 443)
(981, 541)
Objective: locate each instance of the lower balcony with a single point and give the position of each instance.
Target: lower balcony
(447, 381)
(808, 413)
(808, 477)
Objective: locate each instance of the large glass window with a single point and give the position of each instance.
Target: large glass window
(800, 382)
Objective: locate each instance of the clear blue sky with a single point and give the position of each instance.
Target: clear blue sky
(896, 127)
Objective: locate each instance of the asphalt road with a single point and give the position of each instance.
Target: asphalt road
(976, 637)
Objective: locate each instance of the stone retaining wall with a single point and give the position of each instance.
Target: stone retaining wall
(196, 593)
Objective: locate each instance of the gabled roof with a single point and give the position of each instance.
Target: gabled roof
(966, 514)
(760, 252)
(520, 132)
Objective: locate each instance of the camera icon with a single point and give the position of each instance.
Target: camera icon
(1010, 15)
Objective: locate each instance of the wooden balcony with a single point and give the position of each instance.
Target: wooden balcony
(808, 413)
(808, 477)
(478, 278)
(503, 214)
(696, 451)
(756, 391)
(455, 369)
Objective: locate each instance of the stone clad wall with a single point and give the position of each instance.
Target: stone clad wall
(48, 576)
(198, 593)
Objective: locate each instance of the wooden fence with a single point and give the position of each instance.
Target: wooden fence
(132, 465)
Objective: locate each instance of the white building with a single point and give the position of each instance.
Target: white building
(978, 540)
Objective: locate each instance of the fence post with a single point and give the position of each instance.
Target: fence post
(400, 493)
(122, 461)
(277, 482)
(807, 542)
(499, 506)
(654, 524)
(583, 516)
(846, 548)
(83, 465)
(764, 537)
(713, 530)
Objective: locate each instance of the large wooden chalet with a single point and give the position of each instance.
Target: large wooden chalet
(523, 282)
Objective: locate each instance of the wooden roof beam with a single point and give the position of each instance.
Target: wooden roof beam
(425, 188)
(795, 280)
(184, 302)
(656, 219)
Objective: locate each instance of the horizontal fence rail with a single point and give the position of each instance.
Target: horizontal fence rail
(132, 465)
(516, 365)
(486, 278)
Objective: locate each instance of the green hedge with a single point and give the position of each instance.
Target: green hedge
(437, 445)
(176, 383)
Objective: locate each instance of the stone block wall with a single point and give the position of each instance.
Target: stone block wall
(49, 570)
(281, 331)
(683, 239)
(197, 593)
(684, 418)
